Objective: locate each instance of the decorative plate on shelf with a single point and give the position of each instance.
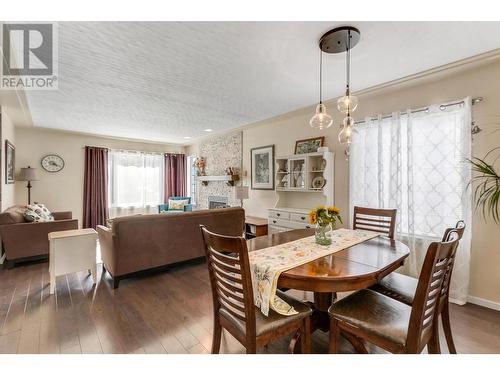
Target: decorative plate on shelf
(52, 163)
(318, 182)
(323, 164)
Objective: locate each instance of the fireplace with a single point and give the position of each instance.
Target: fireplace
(217, 202)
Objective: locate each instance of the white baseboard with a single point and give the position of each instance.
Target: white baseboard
(484, 302)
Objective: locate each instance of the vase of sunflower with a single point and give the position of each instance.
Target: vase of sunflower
(325, 219)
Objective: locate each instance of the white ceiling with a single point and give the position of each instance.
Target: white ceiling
(165, 81)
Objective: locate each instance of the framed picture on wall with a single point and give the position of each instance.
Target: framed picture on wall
(304, 146)
(262, 166)
(10, 158)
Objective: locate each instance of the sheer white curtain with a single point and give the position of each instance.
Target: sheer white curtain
(415, 162)
(135, 182)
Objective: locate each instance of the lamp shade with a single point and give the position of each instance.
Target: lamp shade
(28, 174)
(241, 192)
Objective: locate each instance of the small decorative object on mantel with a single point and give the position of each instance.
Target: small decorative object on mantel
(10, 157)
(305, 146)
(262, 166)
(200, 164)
(325, 219)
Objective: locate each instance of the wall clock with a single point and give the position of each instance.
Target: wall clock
(52, 163)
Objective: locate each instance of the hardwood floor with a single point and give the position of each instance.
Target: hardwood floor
(170, 312)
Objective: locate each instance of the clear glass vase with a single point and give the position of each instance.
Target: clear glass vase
(323, 234)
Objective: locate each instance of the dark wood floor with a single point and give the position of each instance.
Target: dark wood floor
(166, 313)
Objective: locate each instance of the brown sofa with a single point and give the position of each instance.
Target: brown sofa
(22, 240)
(144, 242)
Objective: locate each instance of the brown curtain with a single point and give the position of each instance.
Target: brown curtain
(175, 175)
(95, 188)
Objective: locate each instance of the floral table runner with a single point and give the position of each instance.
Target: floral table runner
(267, 264)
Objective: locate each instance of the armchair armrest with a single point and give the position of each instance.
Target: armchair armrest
(62, 215)
(23, 240)
(107, 244)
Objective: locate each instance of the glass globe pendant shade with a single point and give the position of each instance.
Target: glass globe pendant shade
(348, 132)
(347, 104)
(321, 120)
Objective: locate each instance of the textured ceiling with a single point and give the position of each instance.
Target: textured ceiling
(166, 81)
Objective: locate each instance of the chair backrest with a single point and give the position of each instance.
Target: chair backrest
(449, 232)
(428, 294)
(230, 279)
(375, 220)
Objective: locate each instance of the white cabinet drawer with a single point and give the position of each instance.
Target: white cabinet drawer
(278, 222)
(279, 214)
(301, 218)
(271, 229)
(297, 225)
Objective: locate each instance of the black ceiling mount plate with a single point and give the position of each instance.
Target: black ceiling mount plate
(335, 40)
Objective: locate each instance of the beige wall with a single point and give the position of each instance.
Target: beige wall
(64, 190)
(474, 79)
(7, 133)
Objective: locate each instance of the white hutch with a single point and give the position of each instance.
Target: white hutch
(302, 181)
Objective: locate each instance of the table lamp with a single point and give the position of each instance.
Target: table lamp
(241, 192)
(28, 174)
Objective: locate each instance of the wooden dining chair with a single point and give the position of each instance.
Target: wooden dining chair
(403, 288)
(393, 325)
(375, 220)
(233, 300)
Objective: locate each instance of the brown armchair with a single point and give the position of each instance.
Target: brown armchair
(23, 240)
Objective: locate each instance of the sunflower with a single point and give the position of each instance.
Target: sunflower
(313, 217)
(333, 210)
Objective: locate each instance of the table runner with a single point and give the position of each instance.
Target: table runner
(267, 264)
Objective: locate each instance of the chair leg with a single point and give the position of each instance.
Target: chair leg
(116, 283)
(251, 348)
(305, 336)
(445, 318)
(433, 344)
(216, 337)
(334, 335)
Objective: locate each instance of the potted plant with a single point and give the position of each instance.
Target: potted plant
(325, 219)
(486, 193)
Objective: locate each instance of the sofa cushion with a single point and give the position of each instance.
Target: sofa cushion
(37, 213)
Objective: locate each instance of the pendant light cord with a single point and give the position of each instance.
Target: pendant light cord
(320, 74)
(348, 63)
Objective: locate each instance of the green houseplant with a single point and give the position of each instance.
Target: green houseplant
(486, 183)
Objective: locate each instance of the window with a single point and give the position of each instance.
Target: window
(191, 178)
(135, 182)
(416, 163)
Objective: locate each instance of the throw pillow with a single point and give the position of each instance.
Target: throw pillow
(37, 213)
(177, 204)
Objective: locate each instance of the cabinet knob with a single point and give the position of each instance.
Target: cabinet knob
(278, 214)
(303, 217)
(274, 221)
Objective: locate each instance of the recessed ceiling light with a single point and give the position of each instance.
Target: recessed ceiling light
(208, 130)
(187, 137)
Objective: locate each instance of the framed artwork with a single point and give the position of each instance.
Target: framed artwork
(10, 159)
(305, 146)
(262, 166)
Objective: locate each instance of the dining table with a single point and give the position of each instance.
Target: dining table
(353, 268)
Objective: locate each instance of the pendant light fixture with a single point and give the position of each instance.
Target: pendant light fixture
(321, 120)
(340, 40)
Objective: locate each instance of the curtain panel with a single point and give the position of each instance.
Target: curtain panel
(95, 188)
(415, 162)
(175, 175)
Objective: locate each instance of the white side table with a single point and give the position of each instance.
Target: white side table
(72, 251)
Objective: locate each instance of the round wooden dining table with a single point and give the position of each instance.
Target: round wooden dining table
(354, 268)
